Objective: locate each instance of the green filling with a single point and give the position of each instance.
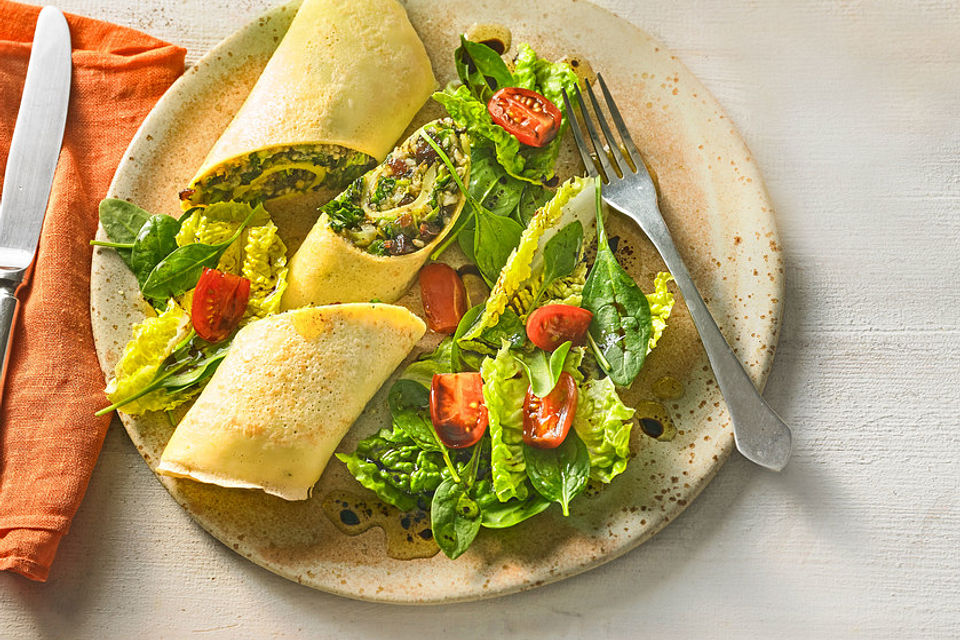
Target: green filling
(279, 172)
(408, 200)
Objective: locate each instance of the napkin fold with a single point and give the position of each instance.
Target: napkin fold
(49, 437)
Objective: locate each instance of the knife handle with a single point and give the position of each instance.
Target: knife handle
(8, 315)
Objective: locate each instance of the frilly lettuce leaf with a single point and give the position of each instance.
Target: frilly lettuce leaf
(525, 264)
(265, 266)
(504, 388)
(153, 340)
(661, 303)
(390, 464)
(546, 78)
(532, 164)
(259, 255)
(603, 423)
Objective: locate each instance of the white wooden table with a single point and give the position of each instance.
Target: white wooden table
(852, 112)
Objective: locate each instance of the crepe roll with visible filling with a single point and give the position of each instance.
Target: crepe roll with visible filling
(285, 395)
(318, 115)
(371, 240)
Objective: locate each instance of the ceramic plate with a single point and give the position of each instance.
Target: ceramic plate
(714, 203)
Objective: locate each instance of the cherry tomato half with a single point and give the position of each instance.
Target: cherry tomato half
(526, 114)
(218, 304)
(551, 325)
(444, 297)
(547, 420)
(457, 410)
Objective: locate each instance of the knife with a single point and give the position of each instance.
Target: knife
(34, 150)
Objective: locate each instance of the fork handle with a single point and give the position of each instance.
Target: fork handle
(760, 434)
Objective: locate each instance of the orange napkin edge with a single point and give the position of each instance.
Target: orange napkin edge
(49, 437)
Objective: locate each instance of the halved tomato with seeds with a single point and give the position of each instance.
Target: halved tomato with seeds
(526, 114)
(218, 304)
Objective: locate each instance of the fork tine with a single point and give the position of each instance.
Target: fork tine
(597, 145)
(612, 143)
(578, 136)
(633, 154)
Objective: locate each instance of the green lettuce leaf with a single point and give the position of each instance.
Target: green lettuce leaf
(440, 360)
(522, 162)
(390, 464)
(503, 393)
(661, 303)
(153, 340)
(603, 423)
(259, 255)
(525, 265)
(547, 78)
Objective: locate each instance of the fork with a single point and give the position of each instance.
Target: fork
(760, 434)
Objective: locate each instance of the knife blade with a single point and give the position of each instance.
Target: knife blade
(32, 160)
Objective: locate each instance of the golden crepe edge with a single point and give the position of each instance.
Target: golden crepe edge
(286, 394)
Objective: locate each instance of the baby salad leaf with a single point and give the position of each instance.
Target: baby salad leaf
(621, 326)
(509, 329)
(156, 240)
(560, 256)
(201, 370)
(490, 185)
(178, 272)
(455, 517)
(503, 393)
(409, 406)
(543, 373)
(390, 464)
(407, 398)
(603, 423)
(560, 474)
(439, 361)
(481, 69)
(122, 221)
(500, 515)
(533, 197)
(494, 239)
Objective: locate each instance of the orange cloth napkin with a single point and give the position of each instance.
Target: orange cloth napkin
(49, 437)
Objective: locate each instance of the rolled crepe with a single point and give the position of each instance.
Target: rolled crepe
(343, 84)
(371, 240)
(285, 395)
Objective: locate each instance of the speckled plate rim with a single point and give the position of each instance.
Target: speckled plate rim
(192, 83)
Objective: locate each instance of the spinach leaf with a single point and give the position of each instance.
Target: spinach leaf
(178, 272)
(494, 237)
(621, 326)
(490, 185)
(560, 474)
(533, 197)
(454, 517)
(156, 240)
(509, 329)
(409, 407)
(497, 192)
(560, 256)
(500, 515)
(121, 220)
(456, 355)
(407, 399)
(202, 370)
(481, 69)
(186, 366)
(439, 361)
(542, 373)
(494, 240)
